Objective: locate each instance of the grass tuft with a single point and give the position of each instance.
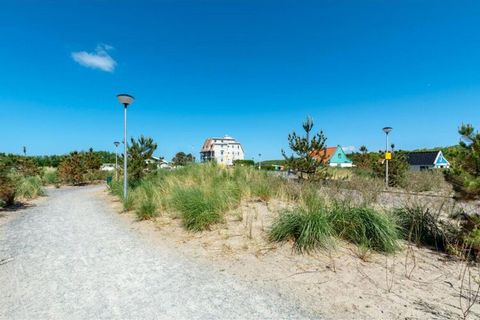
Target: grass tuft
(199, 210)
(365, 227)
(29, 188)
(309, 228)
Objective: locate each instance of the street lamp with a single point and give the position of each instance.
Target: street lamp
(116, 143)
(126, 100)
(259, 161)
(387, 131)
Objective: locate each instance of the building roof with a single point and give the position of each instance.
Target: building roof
(210, 142)
(327, 153)
(422, 158)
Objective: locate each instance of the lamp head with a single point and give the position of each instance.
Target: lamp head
(125, 99)
(116, 143)
(387, 130)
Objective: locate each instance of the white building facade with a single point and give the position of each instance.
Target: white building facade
(221, 150)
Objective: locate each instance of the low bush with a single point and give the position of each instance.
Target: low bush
(366, 227)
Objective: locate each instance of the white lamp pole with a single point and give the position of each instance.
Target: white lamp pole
(116, 143)
(259, 161)
(126, 100)
(387, 131)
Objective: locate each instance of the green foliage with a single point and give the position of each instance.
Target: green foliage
(310, 152)
(139, 152)
(50, 176)
(243, 162)
(397, 168)
(80, 167)
(73, 168)
(7, 185)
(199, 209)
(182, 159)
(366, 227)
(465, 173)
(308, 227)
(128, 202)
(421, 226)
(147, 210)
(29, 187)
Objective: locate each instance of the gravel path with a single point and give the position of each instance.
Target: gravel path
(69, 257)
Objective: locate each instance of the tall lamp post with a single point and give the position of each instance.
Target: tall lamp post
(126, 100)
(259, 161)
(387, 156)
(116, 143)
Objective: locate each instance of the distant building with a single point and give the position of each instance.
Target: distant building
(159, 161)
(334, 156)
(222, 150)
(107, 167)
(427, 160)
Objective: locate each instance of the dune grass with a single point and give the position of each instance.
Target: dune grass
(201, 194)
(309, 229)
(29, 188)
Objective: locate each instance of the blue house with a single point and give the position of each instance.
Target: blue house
(427, 160)
(334, 156)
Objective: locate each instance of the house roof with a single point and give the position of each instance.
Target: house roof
(421, 158)
(328, 153)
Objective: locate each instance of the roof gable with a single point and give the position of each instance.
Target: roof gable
(339, 156)
(441, 160)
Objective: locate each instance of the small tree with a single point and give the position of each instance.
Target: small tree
(181, 158)
(73, 168)
(465, 174)
(310, 152)
(139, 152)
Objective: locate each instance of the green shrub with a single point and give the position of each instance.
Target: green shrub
(29, 188)
(366, 227)
(309, 229)
(199, 210)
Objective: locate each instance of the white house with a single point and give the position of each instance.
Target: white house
(222, 150)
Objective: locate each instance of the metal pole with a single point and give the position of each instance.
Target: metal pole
(386, 160)
(116, 163)
(125, 153)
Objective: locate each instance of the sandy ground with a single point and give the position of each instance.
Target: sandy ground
(72, 257)
(345, 283)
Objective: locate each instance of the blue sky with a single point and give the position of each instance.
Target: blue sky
(250, 69)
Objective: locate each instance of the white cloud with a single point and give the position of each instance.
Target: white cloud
(100, 59)
(349, 149)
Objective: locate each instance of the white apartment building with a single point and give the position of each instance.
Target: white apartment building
(222, 150)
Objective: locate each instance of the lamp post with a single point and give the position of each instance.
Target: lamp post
(387, 131)
(259, 161)
(116, 143)
(126, 100)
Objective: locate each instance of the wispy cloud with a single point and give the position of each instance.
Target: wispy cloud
(349, 149)
(100, 59)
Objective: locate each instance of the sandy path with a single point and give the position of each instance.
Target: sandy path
(69, 257)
